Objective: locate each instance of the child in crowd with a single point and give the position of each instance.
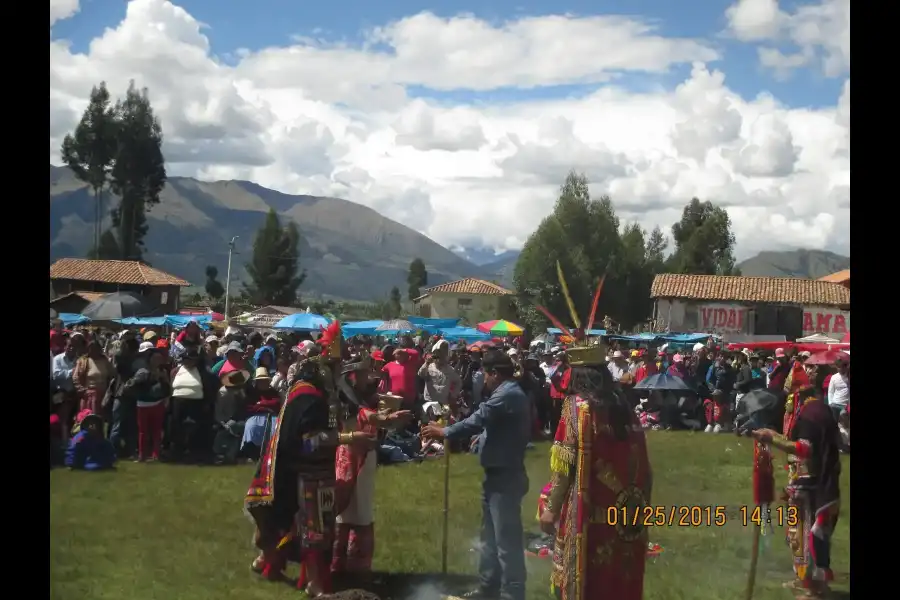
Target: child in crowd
(88, 449)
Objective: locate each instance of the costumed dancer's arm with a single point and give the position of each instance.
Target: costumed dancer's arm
(563, 454)
(800, 448)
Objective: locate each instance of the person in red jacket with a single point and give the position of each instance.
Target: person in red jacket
(647, 368)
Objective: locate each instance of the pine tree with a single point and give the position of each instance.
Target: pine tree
(274, 267)
(139, 173)
(417, 278)
(395, 302)
(90, 151)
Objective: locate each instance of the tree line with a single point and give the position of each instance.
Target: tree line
(585, 236)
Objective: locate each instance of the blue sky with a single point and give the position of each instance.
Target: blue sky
(257, 24)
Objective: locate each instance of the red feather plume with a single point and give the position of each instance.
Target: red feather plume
(329, 334)
(590, 321)
(556, 322)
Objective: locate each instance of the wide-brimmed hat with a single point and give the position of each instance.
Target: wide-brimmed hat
(262, 374)
(86, 417)
(148, 335)
(235, 378)
(146, 347)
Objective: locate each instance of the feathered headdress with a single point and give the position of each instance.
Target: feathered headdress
(581, 353)
(330, 340)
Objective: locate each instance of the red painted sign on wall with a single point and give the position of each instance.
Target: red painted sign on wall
(722, 318)
(830, 321)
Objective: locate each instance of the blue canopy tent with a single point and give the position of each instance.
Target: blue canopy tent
(685, 338)
(181, 321)
(432, 325)
(70, 319)
(467, 334)
(302, 322)
(590, 332)
(142, 321)
(360, 328)
(638, 338)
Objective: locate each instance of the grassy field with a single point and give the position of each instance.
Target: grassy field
(175, 532)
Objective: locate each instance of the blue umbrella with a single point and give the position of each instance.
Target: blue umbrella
(302, 322)
(663, 381)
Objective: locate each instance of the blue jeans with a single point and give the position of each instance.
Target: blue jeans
(502, 562)
(122, 428)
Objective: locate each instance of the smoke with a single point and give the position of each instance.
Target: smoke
(426, 591)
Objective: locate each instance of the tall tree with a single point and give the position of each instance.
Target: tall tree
(704, 243)
(108, 248)
(395, 302)
(417, 278)
(274, 269)
(214, 287)
(90, 151)
(139, 173)
(582, 234)
(656, 251)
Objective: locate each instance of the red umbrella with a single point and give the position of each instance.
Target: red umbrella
(828, 357)
(846, 338)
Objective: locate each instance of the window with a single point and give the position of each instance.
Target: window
(464, 303)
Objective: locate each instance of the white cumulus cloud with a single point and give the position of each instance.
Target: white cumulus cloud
(814, 33)
(335, 119)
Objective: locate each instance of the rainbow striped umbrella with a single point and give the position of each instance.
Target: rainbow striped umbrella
(500, 327)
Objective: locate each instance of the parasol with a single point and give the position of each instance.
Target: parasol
(500, 327)
(828, 357)
(663, 382)
(118, 305)
(396, 326)
(302, 322)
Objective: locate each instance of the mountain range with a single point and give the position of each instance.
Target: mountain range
(348, 250)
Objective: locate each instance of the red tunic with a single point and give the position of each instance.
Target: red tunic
(599, 552)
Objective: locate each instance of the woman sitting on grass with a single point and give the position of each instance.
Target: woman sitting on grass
(88, 449)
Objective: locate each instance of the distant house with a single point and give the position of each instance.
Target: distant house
(750, 306)
(841, 277)
(79, 281)
(474, 300)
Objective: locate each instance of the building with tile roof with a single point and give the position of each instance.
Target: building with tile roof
(79, 281)
(751, 305)
(471, 299)
(841, 277)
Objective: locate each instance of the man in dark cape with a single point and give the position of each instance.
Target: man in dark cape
(292, 498)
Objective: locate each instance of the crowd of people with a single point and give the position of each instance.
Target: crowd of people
(319, 407)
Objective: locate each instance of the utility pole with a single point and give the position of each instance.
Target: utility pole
(228, 278)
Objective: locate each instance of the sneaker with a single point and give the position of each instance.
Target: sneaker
(718, 429)
(709, 429)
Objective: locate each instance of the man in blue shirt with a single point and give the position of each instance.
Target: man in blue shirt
(505, 420)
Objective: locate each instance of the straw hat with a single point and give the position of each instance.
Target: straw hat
(262, 374)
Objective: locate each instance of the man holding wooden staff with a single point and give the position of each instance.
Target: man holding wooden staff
(505, 419)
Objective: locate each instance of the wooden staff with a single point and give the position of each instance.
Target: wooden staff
(754, 561)
(446, 533)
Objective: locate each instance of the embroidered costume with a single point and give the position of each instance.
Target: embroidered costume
(293, 498)
(813, 490)
(600, 473)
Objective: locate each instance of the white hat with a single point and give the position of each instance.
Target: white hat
(211, 338)
(438, 344)
(555, 349)
(698, 347)
(271, 338)
(146, 346)
(746, 352)
(512, 352)
(617, 354)
(806, 354)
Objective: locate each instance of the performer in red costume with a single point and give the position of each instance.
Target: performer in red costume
(598, 461)
(293, 498)
(812, 442)
(354, 545)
